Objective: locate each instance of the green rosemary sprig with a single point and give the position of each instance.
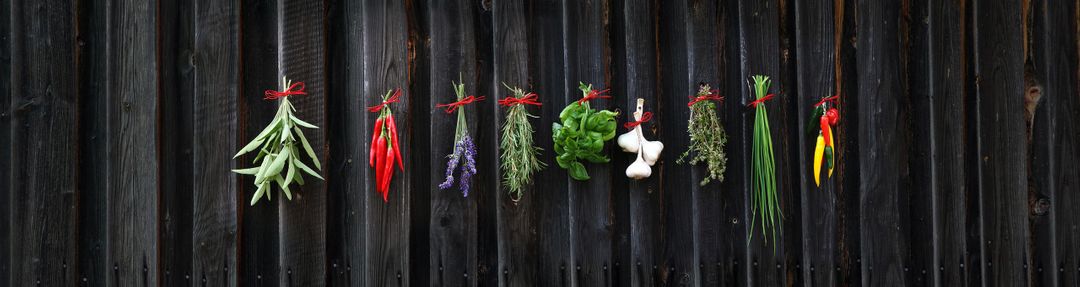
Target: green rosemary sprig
(519, 156)
(764, 200)
(707, 136)
(278, 149)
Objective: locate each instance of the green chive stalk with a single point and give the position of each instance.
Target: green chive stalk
(764, 200)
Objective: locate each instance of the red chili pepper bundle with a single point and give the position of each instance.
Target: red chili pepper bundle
(826, 117)
(385, 150)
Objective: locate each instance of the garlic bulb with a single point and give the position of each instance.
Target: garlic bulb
(648, 152)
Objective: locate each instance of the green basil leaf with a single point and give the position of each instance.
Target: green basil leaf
(578, 172)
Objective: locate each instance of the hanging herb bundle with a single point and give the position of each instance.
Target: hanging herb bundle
(707, 136)
(464, 150)
(633, 141)
(385, 150)
(278, 148)
(825, 117)
(519, 157)
(582, 133)
(766, 203)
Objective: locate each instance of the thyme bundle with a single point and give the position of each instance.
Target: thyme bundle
(519, 157)
(464, 148)
(707, 135)
(277, 145)
(764, 200)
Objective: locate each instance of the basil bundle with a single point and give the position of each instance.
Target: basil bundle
(582, 133)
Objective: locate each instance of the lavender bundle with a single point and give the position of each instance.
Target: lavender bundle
(464, 154)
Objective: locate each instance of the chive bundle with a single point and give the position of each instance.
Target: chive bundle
(765, 203)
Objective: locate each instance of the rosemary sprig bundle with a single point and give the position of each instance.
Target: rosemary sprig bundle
(519, 156)
(764, 200)
(278, 148)
(707, 135)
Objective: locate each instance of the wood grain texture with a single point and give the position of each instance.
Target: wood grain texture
(1002, 168)
(5, 140)
(132, 108)
(453, 223)
(848, 267)
(43, 122)
(734, 266)
(937, 76)
(347, 166)
(552, 202)
(93, 149)
(260, 243)
(1055, 152)
(488, 181)
(302, 52)
(519, 246)
(882, 150)
(217, 93)
(816, 52)
(387, 224)
(177, 174)
(585, 30)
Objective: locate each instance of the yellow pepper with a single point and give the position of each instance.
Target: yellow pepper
(832, 159)
(819, 150)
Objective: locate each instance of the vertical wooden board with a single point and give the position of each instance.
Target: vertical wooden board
(787, 149)
(5, 140)
(733, 265)
(915, 35)
(418, 60)
(92, 145)
(215, 139)
(760, 47)
(937, 77)
(259, 241)
(882, 149)
(387, 223)
(517, 243)
(453, 225)
(546, 66)
(488, 178)
(43, 122)
(587, 60)
(816, 52)
(133, 143)
(1054, 144)
(177, 174)
(622, 238)
(848, 258)
(302, 53)
(999, 66)
(348, 163)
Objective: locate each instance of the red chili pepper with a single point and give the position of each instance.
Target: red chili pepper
(380, 150)
(834, 116)
(394, 137)
(374, 136)
(388, 174)
(825, 130)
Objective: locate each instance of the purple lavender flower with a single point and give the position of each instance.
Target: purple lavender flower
(468, 168)
(455, 156)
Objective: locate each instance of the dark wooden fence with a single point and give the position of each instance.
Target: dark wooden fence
(959, 159)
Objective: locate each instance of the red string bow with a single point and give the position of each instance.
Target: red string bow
(451, 107)
(833, 100)
(706, 97)
(393, 99)
(761, 100)
(594, 94)
(644, 118)
(528, 99)
(273, 95)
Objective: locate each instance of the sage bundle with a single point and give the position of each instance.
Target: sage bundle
(464, 154)
(707, 135)
(519, 157)
(279, 146)
(764, 200)
(581, 132)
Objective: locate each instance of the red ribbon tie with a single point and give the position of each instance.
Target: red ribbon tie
(711, 96)
(644, 118)
(528, 99)
(451, 107)
(833, 99)
(594, 94)
(295, 89)
(761, 100)
(393, 99)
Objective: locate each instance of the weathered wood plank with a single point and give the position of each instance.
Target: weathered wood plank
(816, 54)
(259, 243)
(882, 151)
(215, 137)
(177, 174)
(5, 139)
(93, 149)
(1056, 153)
(937, 90)
(387, 223)
(453, 239)
(132, 108)
(848, 259)
(347, 165)
(488, 179)
(1002, 169)
(519, 247)
(585, 30)
(546, 66)
(43, 122)
(418, 60)
(302, 53)
(734, 264)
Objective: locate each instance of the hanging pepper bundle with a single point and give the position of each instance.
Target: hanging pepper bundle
(519, 157)
(385, 150)
(464, 149)
(825, 117)
(707, 136)
(765, 202)
(582, 133)
(277, 145)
